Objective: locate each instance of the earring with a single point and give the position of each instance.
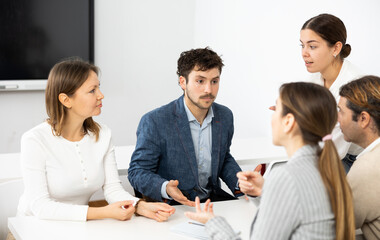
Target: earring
(334, 55)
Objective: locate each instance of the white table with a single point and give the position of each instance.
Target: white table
(239, 213)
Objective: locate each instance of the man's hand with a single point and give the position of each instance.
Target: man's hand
(251, 182)
(173, 191)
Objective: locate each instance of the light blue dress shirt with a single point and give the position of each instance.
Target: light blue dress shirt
(202, 140)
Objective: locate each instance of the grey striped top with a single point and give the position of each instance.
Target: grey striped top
(294, 204)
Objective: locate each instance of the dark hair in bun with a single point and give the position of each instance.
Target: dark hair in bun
(331, 29)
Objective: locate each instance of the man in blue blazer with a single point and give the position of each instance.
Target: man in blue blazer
(183, 148)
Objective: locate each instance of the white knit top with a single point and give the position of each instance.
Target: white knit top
(60, 176)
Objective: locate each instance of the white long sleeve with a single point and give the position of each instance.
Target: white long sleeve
(60, 176)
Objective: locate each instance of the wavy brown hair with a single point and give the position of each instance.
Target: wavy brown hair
(66, 77)
(202, 58)
(315, 112)
(363, 95)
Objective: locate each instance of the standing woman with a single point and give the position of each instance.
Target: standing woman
(324, 49)
(308, 197)
(67, 158)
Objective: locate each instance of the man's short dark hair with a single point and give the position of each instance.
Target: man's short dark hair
(363, 95)
(202, 58)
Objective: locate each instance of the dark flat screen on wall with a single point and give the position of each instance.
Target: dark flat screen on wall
(36, 34)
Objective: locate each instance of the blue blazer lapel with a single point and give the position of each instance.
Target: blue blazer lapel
(216, 143)
(184, 133)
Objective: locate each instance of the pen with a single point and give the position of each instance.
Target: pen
(199, 224)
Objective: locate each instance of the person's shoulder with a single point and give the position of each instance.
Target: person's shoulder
(302, 165)
(376, 149)
(366, 168)
(368, 160)
(42, 130)
(351, 71)
(164, 110)
(221, 109)
(281, 181)
(104, 130)
(374, 152)
(362, 171)
(349, 65)
(281, 176)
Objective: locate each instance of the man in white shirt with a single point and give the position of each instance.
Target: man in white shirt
(359, 119)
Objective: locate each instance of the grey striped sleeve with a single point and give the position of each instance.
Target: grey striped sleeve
(279, 208)
(218, 229)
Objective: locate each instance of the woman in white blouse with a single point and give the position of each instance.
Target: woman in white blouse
(308, 197)
(67, 158)
(324, 51)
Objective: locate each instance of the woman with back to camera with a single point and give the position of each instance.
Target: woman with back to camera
(67, 158)
(308, 197)
(324, 49)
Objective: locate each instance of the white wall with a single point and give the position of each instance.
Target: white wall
(19, 111)
(137, 44)
(259, 41)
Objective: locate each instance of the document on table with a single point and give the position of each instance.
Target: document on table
(192, 229)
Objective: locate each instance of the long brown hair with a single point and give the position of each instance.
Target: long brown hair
(66, 77)
(315, 111)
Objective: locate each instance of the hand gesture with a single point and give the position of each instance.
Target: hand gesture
(199, 215)
(251, 182)
(122, 210)
(173, 191)
(157, 211)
